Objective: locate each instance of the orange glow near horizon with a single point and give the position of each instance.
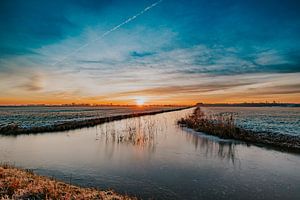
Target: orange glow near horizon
(143, 100)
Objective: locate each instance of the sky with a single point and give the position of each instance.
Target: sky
(154, 52)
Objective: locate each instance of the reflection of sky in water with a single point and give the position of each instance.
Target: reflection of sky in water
(155, 158)
(264, 119)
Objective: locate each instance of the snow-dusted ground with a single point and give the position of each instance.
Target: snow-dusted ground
(29, 117)
(277, 120)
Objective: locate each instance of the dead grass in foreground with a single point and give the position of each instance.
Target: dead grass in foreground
(23, 184)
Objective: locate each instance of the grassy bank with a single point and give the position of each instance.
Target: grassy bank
(15, 129)
(23, 184)
(224, 126)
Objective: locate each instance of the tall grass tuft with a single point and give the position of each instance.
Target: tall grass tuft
(220, 125)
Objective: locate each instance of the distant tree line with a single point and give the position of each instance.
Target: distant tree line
(246, 104)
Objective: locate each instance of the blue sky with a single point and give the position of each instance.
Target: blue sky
(176, 51)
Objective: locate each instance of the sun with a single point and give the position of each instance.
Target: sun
(140, 101)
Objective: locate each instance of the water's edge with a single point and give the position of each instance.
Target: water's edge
(281, 142)
(29, 183)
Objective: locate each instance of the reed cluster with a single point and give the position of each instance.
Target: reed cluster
(221, 125)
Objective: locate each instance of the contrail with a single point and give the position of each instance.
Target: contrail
(109, 31)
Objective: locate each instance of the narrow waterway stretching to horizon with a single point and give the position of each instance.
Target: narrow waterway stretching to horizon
(151, 157)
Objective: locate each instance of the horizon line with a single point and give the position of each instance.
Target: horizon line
(113, 104)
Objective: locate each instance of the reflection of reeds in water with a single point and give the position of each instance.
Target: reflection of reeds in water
(211, 148)
(136, 131)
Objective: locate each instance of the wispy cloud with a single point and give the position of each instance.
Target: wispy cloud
(110, 31)
(177, 52)
(185, 89)
(34, 83)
